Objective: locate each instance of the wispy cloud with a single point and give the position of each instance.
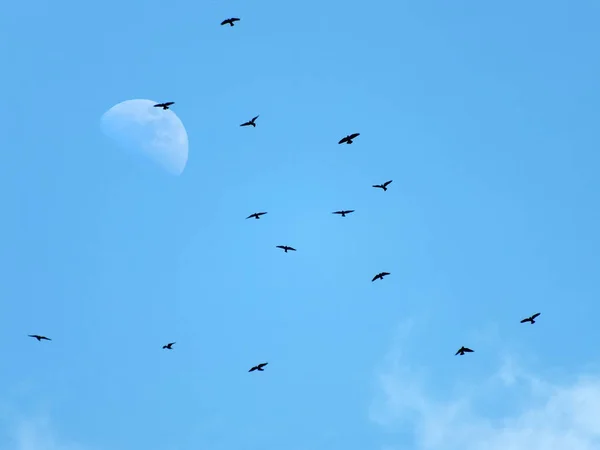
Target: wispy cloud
(547, 416)
(38, 434)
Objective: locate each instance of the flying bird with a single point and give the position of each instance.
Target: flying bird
(230, 21)
(461, 351)
(259, 367)
(164, 106)
(286, 248)
(250, 122)
(349, 139)
(256, 215)
(39, 338)
(343, 213)
(383, 186)
(380, 276)
(169, 346)
(531, 319)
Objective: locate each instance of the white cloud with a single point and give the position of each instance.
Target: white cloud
(37, 434)
(545, 416)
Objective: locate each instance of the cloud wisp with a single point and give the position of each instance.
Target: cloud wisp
(545, 416)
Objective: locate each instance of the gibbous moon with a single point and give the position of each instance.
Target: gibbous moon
(135, 125)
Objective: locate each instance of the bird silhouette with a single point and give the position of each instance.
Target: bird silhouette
(169, 346)
(250, 122)
(164, 106)
(230, 21)
(39, 338)
(259, 367)
(531, 319)
(461, 351)
(349, 139)
(380, 276)
(344, 212)
(286, 248)
(256, 215)
(383, 186)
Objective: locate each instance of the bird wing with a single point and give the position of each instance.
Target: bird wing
(459, 350)
(159, 105)
(281, 246)
(468, 350)
(245, 124)
(337, 212)
(375, 277)
(344, 139)
(254, 118)
(349, 211)
(526, 320)
(291, 248)
(535, 315)
(353, 135)
(261, 365)
(172, 343)
(378, 186)
(234, 19)
(33, 335)
(225, 21)
(261, 213)
(254, 368)
(45, 338)
(387, 182)
(383, 274)
(251, 215)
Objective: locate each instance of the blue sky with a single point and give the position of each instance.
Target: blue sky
(483, 113)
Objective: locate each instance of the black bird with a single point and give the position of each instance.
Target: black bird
(256, 215)
(349, 139)
(344, 212)
(164, 106)
(39, 338)
(531, 319)
(383, 186)
(169, 346)
(250, 122)
(286, 248)
(380, 276)
(230, 21)
(461, 351)
(259, 367)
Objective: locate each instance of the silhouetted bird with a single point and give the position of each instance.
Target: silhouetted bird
(230, 21)
(461, 351)
(286, 248)
(250, 122)
(169, 346)
(531, 319)
(164, 105)
(380, 276)
(259, 367)
(383, 186)
(39, 338)
(256, 215)
(343, 213)
(349, 139)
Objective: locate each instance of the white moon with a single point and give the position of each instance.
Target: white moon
(139, 127)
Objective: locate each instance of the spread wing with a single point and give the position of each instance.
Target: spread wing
(291, 248)
(349, 211)
(459, 350)
(378, 185)
(252, 215)
(254, 118)
(168, 104)
(261, 213)
(468, 350)
(345, 139)
(526, 320)
(281, 246)
(159, 105)
(387, 182)
(535, 315)
(383, 274)
(245, 124)
(225, 21)
(33, 335)
(234, 19)
(337, 212)
(171, 343)
(261, 365)
(353, 135)
(375, 277)
(253, 369)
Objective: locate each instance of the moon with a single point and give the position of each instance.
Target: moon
(136, 126)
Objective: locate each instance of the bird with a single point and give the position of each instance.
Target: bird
(259, 367)
(230, 21)
(344, 212)
(380, 276)
(531, 319)
(349, 139)
(250, 122)
(256, 215)
(169, 346)
(383, 186)
(461, 351)
(286, 248)
(39, 338)
(164, 106)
